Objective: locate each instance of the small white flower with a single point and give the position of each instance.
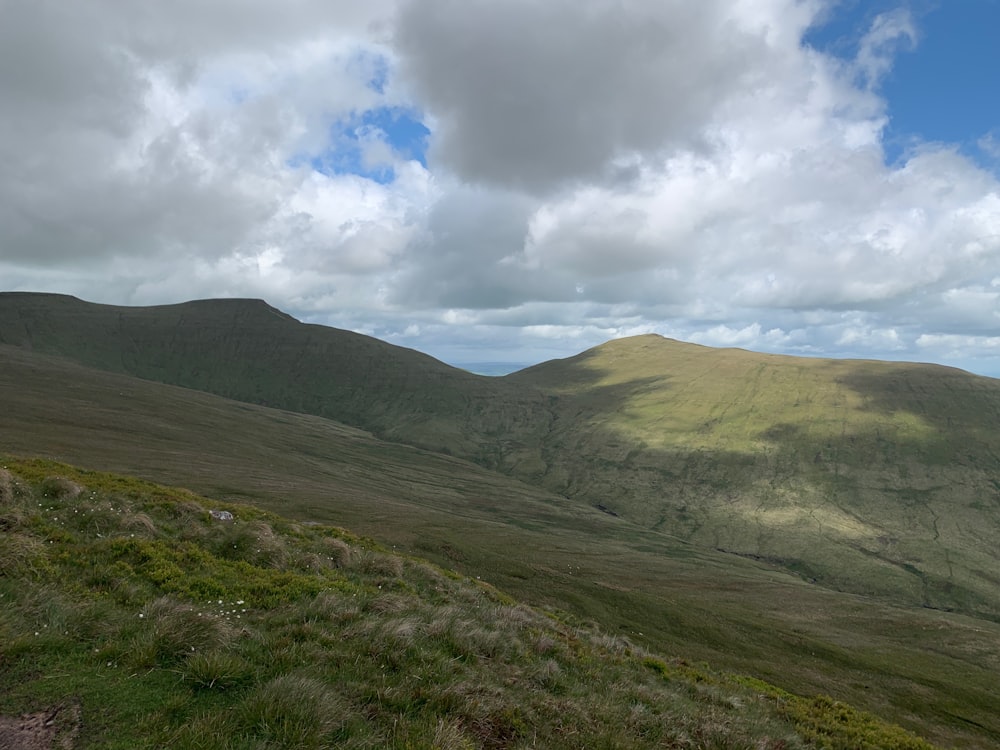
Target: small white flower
(141, 615)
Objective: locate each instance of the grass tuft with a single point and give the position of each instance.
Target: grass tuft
(60, 488)
(216, 670)
(292, 711)
(6, 488)
(171, 630)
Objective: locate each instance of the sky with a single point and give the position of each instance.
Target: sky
(517, 180)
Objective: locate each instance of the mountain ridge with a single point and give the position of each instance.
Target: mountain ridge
(749, 617)
(396, 392)
(864, 476)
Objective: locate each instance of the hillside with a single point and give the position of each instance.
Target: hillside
(873, 477)
(934, 672)
(930, 670)
(138, 616)
(246, 350)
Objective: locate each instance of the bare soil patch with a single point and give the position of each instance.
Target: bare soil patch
(52, 729)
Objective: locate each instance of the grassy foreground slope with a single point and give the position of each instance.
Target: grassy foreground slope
(873, 477)
(136, 618)
(933, 672)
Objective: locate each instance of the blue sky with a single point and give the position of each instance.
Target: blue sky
(399, 128)
(943, 86)
(515, 181)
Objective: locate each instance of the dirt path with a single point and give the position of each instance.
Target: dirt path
(54, 729)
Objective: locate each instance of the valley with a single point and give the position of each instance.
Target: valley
(827, 526)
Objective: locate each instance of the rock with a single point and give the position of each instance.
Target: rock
(221, 515)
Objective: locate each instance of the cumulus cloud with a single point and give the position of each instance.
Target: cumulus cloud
(588, 170)
(535, 95)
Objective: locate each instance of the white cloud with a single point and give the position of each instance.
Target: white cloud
(594, 170)
(889, 33)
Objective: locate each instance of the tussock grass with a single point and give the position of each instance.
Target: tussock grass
(337, 551)
(381, 565)
(140, 523)
(6, 488)
(171, 630)
(216, 670)
(382, 652)
(20, 554)
(292, 711)
(60, 488)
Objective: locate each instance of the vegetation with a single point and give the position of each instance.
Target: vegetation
(826, 527)
(167, 627)
(872, 478)
(866, 477)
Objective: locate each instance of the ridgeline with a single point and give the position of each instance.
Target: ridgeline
(828, 526)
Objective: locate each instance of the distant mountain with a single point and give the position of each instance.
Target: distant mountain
(876, 478)
(492, 369)
(620, 432)
(245, 349)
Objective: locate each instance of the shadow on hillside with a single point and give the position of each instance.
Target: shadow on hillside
(856, 475)
(947, 399)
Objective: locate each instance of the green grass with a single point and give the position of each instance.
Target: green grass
(873, 478)
(933, 672)
(365, 649)
(810, 477)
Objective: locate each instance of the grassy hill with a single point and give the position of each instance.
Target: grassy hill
(135, 616)
(245, 349)
(873, 477)
(933, 672)
(593, 453)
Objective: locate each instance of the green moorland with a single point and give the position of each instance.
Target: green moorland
(873, 478)
(132, 617)
(931, 671)
(249, 351)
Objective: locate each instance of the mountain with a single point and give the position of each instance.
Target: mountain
(870, 477)
(874, 477)
(558, 529)
(245, 349)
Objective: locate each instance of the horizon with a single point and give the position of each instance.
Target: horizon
(805, 178)
(501, 367)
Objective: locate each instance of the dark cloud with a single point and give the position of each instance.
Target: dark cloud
(537, 95)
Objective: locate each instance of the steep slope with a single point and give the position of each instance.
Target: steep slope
(874, 477)
(933, 672)
(150, 623)
(246, 350)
